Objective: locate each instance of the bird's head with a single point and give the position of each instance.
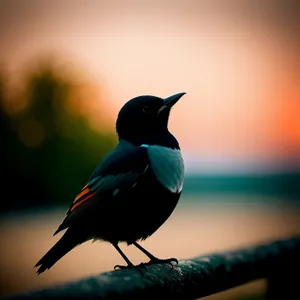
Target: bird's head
(144, 117)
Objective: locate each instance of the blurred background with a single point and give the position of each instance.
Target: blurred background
(67, 67)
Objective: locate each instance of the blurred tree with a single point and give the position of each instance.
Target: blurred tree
(47, 150)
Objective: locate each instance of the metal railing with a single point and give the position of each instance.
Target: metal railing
(277, 261)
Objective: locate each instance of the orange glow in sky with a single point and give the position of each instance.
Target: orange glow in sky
(240, 71)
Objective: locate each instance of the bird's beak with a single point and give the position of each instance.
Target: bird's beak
(170, 101)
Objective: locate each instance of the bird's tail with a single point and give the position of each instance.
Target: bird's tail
(62, 247)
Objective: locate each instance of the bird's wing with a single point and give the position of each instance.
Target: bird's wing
(122, 168)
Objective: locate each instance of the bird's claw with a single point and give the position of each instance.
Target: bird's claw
(151, 262)
(173, 259)
(167, 260)
(141, 265)
(119, 267)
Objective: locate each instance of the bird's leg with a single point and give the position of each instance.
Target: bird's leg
(153, 259)
(129, 263)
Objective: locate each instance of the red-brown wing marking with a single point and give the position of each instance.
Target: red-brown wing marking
(83, 196)
(122, 170)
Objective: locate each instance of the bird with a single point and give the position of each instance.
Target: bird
(133, 190)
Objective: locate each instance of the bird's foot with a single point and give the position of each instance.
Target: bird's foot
(163, 261)
(119, 267)
(130, 266)
(152, 261)
(141, 266)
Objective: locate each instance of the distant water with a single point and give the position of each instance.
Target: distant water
(201, 224)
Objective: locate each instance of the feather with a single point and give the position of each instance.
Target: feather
(168, 166)
(126, 164)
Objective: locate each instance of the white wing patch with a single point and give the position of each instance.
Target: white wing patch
(168, 167)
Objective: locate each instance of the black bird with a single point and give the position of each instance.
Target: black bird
(134, 190)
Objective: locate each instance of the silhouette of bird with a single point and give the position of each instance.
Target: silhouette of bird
(135, 188)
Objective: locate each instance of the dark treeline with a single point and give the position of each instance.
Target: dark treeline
(47, 150)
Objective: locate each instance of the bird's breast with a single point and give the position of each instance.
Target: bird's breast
(168, 166)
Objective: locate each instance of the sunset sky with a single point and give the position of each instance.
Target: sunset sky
(237, 61)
